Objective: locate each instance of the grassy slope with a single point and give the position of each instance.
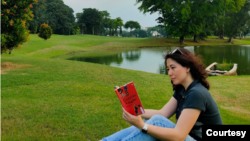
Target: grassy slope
(55, 99)
(60, 45)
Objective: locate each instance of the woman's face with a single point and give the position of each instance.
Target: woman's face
(176, 72)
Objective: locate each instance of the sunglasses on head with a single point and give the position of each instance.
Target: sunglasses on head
(176, 51)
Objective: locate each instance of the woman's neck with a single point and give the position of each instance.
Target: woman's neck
(187, 81)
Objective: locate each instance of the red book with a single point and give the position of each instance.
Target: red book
(129, 99)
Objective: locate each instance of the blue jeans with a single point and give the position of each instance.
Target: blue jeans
(134, 134)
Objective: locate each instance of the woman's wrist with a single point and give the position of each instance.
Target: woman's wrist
(140, 124)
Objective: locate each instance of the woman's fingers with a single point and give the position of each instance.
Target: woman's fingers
(126, 115)
(116, 87)
(125, 111)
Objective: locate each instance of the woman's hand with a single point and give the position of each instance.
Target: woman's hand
(134, 120)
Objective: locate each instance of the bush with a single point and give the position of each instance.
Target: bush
(45, 31)
(224, 66)
(76, 30)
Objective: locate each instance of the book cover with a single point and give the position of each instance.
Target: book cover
(129, 99)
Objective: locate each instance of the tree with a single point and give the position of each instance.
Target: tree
(14, 16)
(180, 18)
(80, 22)
(106, 23)
(234, 21)
(115, 26)
(224, 7)
(78, 16)
(132, 25)
(103, 27)
(208, 29)
(120, 31)
(75, 29)
(125, 34)
(69, 26)
(140, 33)
(91, 18)
(45, 31)
(110, 23)
(120, 24)
(66, 20)
(39, 11)
(246, 29)
(159, 29)
(55, 13)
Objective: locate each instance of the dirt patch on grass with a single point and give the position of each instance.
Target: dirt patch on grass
(7, 66)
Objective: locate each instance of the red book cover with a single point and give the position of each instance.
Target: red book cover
(129, 99)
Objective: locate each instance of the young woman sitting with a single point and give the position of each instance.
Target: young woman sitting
(191, 102)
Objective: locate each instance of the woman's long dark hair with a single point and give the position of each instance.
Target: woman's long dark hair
(189, 60)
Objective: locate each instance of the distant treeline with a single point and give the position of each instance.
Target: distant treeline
(196, 18)
(90, 21)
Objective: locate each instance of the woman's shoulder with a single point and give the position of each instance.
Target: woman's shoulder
(199, 88)
(199, 92)
(196, 94)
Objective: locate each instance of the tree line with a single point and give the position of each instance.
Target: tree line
(196, 18)
(200, 18)
(19, 18)
(149, 32)
(90, 21)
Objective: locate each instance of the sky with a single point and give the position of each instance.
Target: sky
(125, 9)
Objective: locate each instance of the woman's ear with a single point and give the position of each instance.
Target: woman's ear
(188, 69)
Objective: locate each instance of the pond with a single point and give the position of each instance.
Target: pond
(151, 59)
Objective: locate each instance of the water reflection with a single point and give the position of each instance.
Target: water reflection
(163, 69)
(106, 60)
(151, 59)
(132, 55)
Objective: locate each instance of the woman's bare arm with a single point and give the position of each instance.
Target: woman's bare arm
(184, 125)
(167, 110)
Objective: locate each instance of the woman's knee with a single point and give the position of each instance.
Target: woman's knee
(158, 118)
(161, 121)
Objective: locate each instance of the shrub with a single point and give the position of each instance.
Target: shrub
(45, 31)
(76, 30)
(224, 66)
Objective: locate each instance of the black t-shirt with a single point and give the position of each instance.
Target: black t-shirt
(197, 97)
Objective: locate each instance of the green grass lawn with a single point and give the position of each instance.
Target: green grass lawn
(61, 45)
(46, 98)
